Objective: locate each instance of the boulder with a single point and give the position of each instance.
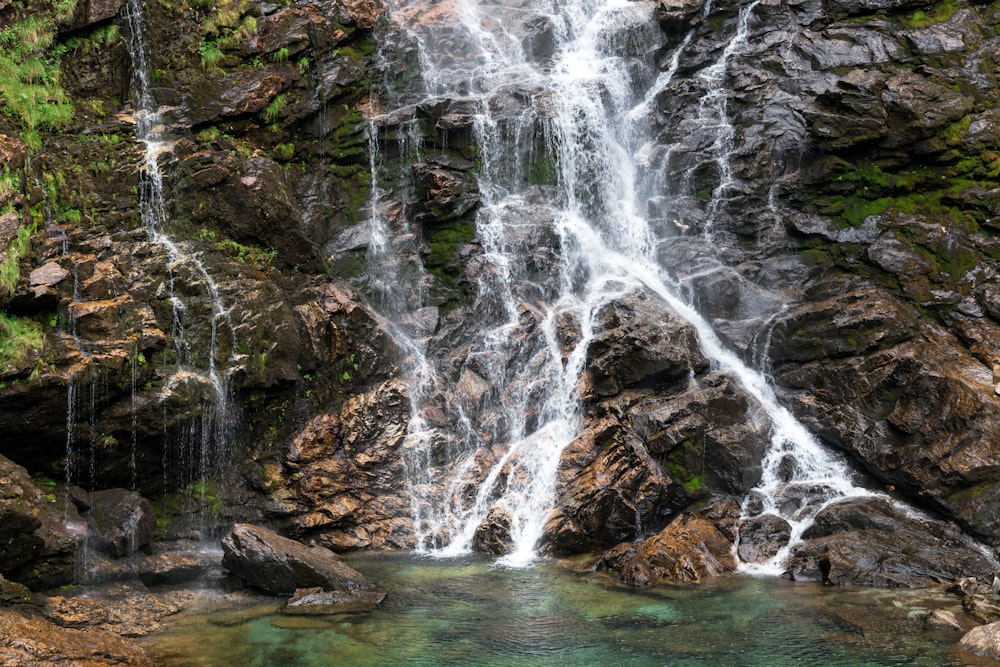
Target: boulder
(983, 641)
(622, 490)
(279, 565)
(640, 344)
(761, 537)
(689, 549)
(493, 534)
(942, 620)
(870, 541)
(316, 601)
(121, 522)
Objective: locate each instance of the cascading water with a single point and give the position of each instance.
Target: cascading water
(581, 109)
(203, 450)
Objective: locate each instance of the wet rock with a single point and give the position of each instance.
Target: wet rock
(493, 534)
(316, 601)
(29, 641)
(38, 535)
(13, 592)
(761, 537)
(621, 490)
(121, 522)
(641, 344)
(279, 565)
(862, 320)
(983, 641)
(689, 549)
(868, 541)
(446, 191)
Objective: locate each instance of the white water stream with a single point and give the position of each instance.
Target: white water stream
(584, 109)
(206, 441)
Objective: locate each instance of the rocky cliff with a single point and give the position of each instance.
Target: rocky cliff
(855, 213)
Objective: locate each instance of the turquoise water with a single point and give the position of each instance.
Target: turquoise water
(470, 612)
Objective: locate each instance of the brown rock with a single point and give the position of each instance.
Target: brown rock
(983, 641)
(688, 550)
(493, 534)
(27, 641)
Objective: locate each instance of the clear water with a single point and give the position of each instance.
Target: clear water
(471, 612)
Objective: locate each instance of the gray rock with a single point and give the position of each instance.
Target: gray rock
(761, 537)
(868, 541)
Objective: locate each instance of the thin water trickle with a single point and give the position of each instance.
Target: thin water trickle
(587, 110)
(205, 370)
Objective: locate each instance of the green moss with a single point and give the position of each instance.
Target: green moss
(253, 256)
(684, 463)
(444, 242)
(938, 13)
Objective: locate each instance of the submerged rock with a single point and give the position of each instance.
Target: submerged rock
(316, 601)
(279, 565)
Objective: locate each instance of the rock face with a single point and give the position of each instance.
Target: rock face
(847, 186)
(281, 566)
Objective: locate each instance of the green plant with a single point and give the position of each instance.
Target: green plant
(210, 54)
(10, 269)
(19, 338)
(30, 78)
(281, 55)
(275, 107)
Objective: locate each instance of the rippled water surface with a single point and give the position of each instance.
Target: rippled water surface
(470, 612)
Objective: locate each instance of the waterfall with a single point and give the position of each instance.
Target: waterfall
(557, 245)
(201, 369)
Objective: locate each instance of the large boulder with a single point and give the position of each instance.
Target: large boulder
(38, 533)
(870, 541)
(983, 641)
(279, 565)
